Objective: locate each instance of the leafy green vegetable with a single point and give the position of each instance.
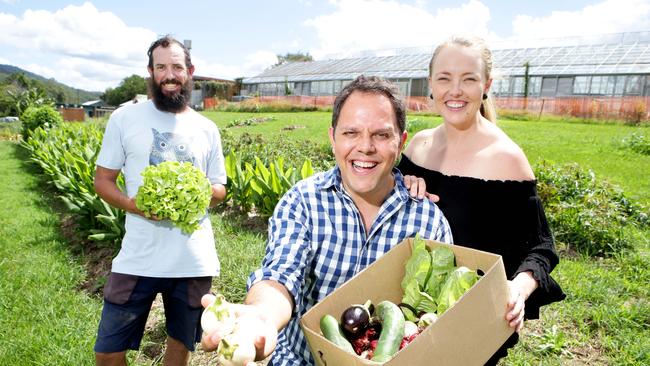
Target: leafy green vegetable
(179, 192)
(458, 282)
(432, 283)
(443, 262)
(417, 271)
(425, 273)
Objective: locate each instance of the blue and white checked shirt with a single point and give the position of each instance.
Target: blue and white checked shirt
(317, 241)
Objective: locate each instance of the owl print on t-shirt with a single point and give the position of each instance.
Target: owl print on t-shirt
(168, 146)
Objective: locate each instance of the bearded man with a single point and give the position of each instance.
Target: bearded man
(155, 256)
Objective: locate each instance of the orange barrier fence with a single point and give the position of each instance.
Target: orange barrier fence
(320, 101)
(626, 108)
(210, 103)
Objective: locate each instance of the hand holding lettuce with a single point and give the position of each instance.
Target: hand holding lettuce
(175, 191)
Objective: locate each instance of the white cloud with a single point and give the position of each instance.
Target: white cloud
(253, 64)
(5, 61)
(358, 25)
(90, 49)
(87, 46)
(259, 61)
(609, 16)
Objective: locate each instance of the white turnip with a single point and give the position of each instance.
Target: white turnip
(218, 316)
(238, 347)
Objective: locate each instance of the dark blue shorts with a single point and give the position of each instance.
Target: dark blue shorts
(128, 300)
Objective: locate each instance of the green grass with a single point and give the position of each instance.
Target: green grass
(311, 125)
(240, 243)
(44, 320)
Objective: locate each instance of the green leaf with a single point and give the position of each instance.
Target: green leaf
(307, 170)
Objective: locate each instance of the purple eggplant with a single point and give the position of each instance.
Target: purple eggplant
(356, 319)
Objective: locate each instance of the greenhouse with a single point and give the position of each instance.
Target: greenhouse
(612, 65)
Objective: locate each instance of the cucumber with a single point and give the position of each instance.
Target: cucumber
(332, 331)
(392, 331)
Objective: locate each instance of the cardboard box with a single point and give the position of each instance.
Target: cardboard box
(466, 334)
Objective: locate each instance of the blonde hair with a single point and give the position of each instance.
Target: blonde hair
(487, 106)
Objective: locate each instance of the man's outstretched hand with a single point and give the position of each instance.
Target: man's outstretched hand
(251, 329)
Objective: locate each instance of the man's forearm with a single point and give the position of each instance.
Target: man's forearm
(273, 301)
(114, 197)
(218, 194)
(106, 188)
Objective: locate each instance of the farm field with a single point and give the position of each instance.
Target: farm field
(604, 320)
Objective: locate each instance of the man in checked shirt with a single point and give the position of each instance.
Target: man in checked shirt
(332, 225)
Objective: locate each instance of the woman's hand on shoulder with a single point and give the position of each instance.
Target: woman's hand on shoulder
(418, 188)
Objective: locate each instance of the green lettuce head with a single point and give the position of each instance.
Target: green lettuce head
(179, 192)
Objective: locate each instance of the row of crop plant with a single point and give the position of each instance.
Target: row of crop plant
(67, 154)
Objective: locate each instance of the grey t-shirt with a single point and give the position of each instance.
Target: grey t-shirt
(140, 135)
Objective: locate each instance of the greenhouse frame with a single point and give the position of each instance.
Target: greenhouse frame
(613, 65)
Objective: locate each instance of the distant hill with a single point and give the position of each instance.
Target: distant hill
(61, 93)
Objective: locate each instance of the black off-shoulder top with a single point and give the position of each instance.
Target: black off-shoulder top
(501, 217)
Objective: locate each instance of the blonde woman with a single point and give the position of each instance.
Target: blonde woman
(486, 186)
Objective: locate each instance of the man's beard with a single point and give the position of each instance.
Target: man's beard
(173, 103)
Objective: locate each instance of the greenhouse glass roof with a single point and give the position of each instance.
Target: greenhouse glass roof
(622, 57)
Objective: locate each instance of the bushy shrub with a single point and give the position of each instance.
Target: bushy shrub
(258, 187)
(43, 116)
(586, 214)
(637, 142)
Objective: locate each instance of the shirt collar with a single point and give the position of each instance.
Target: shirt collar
(332, 180)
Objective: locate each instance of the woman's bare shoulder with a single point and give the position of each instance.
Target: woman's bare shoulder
(420, 142)
(510, 159)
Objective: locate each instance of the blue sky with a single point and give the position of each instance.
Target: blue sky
(95, 44)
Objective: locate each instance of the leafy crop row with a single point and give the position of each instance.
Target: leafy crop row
(261, 187)
(67, 155)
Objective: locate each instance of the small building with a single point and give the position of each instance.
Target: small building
(208, 87)
(91, 107)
